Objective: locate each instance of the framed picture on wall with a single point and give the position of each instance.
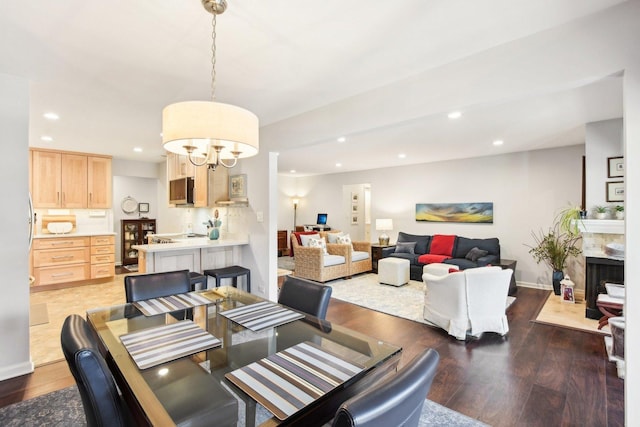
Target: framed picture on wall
(354, 219)
(615, 167)
(615, 191)
(238, 187)
(354, 197)
(354, 208)
(143, 207)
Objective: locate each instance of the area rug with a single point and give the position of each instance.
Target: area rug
(64, 408)
(38, 314)
(402, 301)
(568, 315)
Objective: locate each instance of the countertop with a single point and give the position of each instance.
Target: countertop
(89, 234)
(191, 243)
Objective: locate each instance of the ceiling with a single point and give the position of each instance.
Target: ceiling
(108, 68)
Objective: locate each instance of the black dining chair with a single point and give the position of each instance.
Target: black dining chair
(395, 401)
(102, 403)
(155, 285)
(306, 296)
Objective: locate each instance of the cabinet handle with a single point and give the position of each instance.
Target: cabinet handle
(103, 258)
(58, 196)
(62, 274)
(62, 243)
(59, 257)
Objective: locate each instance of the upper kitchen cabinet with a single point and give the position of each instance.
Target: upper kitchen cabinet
(179, 166)
(70, 180)
(210, 186)
(99, 182)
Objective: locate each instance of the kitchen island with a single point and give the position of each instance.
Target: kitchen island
(193, 254)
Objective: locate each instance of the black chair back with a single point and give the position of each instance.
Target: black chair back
(156, 285)
(306, 296)
(101, 401)
(395, 401)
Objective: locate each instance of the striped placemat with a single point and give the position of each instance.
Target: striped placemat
(289, 380)
(153, 306)
(261, 315)
(153, 346)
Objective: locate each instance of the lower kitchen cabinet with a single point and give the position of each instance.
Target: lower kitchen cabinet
(62, 260)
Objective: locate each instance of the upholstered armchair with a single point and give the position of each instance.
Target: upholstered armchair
(314, 264)
(360, 252)
(468, 302)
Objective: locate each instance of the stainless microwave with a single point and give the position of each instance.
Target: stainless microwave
(181, 191)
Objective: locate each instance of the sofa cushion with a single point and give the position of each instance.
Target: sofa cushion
(422, 242)
(432, 258)
(329, 260)
(305, 238)
(442, 244)
(297, 235)
(462, 263)
(333, 237)
(319, 243)
(475, 253)
(413, 258)
(344, 240)
(405, 247)
(464, 245)
(359, 255)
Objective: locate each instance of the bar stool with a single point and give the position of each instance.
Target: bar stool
(232, 272)
(198, 281)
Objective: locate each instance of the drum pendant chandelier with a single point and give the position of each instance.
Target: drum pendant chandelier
(210, 132)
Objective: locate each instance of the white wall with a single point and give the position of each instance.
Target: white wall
(527, 189)
(14, 251)
(603, 139)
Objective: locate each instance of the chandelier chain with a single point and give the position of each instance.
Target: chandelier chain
(213, 57)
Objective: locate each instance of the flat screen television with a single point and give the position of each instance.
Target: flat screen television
(322, 219)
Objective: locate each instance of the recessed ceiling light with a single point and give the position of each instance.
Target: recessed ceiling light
(137, 149)
(454, 115)
(46, 138)
(292, 171)
(342, 139)
(498, 142)
(338, 165)
(402, 156)
(51, 116)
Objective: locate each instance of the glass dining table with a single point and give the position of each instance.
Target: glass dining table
(294, 373)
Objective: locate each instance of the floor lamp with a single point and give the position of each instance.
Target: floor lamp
(295, 211)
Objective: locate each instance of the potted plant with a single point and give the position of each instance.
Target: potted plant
(569, 217)
(600, 212)
(554, 248)
(618, 211)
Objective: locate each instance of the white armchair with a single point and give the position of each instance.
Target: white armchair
(468, 302)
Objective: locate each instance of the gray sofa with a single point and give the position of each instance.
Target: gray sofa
(464, 252)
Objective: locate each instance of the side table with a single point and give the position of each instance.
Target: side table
(509, 263)
(376, 255)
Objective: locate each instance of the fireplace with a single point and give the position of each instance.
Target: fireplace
(599, 271)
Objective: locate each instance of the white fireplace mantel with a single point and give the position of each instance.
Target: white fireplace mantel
(604, 226)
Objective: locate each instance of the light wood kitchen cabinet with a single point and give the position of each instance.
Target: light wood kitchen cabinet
(179, 166)
(102, 256)
(99, 184)
(70, 180)
(210, 186)
(61, 260)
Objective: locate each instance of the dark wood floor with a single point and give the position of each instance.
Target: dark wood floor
(539, 375)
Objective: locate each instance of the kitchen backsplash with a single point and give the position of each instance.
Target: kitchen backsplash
(87, 220)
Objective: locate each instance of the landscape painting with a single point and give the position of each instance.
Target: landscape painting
(455, 212)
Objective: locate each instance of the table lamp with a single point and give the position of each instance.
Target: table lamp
(384, 225)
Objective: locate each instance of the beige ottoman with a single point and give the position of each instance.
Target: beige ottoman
(393, 271)
(438, 269)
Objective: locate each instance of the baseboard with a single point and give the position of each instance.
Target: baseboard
(16, 370)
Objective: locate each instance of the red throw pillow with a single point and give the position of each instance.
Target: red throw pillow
(430, 258)
(297, 235)
(442, 244)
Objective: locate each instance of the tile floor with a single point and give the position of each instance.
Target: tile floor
(45, 338)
